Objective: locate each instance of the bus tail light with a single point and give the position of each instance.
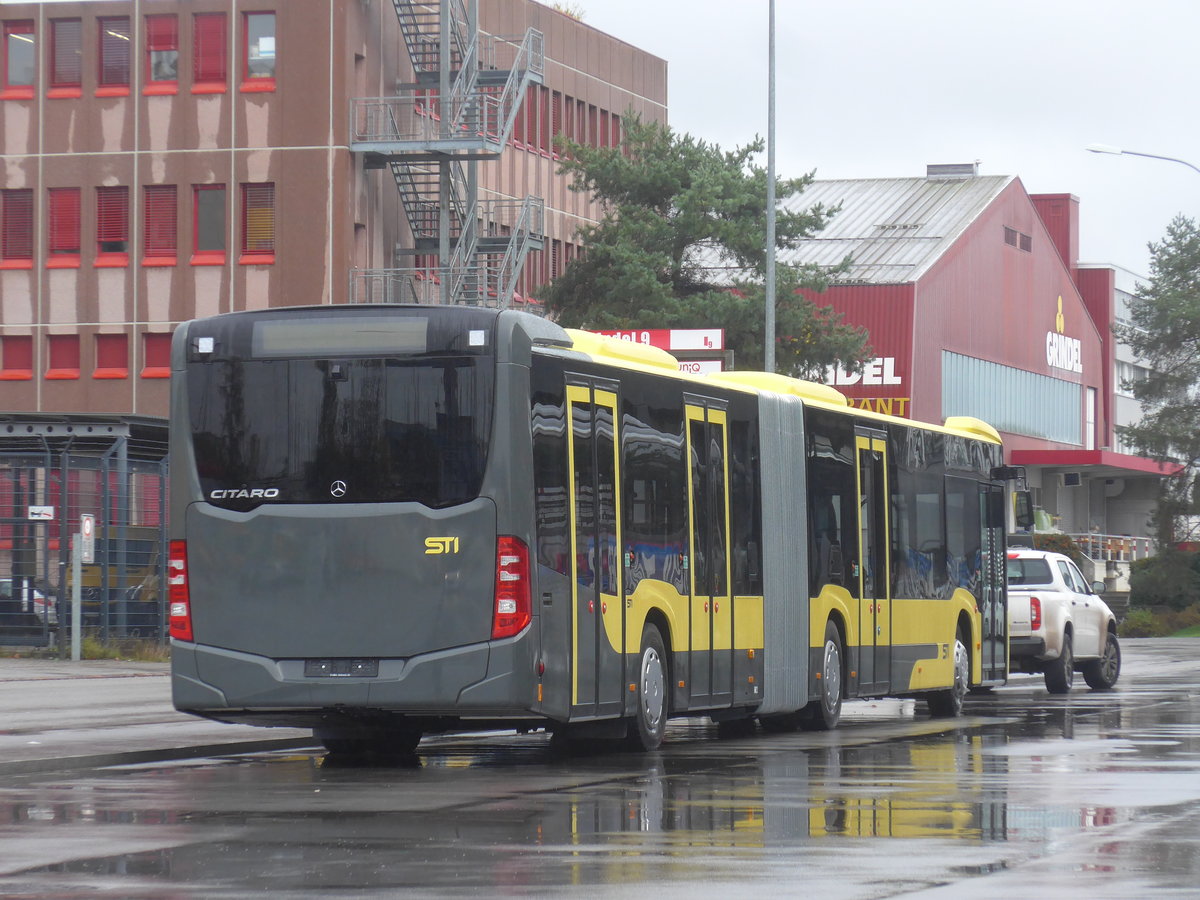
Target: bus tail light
(178, 594)
(513, 610)
(1035, 613)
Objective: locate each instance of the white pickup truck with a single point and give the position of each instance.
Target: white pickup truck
(1058, 623)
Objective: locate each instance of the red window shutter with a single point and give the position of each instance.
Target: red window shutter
(16, 224)
(156, 348)
(66, 49)
(63, 352)
(209, 58)
(162, 33)
(258, 219)
(16, 361)
(112, 219)
(114, 51)
(162, 51)
(64, 221)
(112, 356)
(530, 104)
(161, 218)
(544, 119)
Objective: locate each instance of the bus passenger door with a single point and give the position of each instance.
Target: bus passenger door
(993, 605)
(711, 605)
(874, 565)
(597, 618)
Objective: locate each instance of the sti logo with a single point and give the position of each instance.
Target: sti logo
(435, 546)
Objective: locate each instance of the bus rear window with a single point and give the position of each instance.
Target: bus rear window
(359, 430)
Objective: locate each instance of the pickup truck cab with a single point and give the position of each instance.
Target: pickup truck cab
(1058, 623)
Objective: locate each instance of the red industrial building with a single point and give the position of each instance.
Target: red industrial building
(976, 304)
(169, 160)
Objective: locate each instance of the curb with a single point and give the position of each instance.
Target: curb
(103, 760)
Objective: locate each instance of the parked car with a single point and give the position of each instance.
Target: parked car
(35, 603)
(1058, 623)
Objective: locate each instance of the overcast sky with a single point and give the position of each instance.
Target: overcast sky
(880, 88)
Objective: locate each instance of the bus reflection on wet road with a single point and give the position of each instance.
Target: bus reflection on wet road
(1093, 795)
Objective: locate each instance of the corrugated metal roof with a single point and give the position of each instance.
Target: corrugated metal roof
(894, 228)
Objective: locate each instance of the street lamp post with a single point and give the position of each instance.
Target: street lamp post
(1105, 148)
(769, 285)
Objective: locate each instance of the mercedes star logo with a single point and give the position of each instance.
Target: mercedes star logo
(338, 489)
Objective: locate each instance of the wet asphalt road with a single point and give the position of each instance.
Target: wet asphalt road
(1093, 795)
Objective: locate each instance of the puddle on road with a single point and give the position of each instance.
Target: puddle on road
(509, 809)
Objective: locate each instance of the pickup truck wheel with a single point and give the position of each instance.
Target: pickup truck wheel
(948, 704)
(1101, 674)
(1060, 673)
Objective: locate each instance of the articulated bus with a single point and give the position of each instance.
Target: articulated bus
(390, 521)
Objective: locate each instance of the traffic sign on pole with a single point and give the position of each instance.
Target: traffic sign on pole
(87, 534)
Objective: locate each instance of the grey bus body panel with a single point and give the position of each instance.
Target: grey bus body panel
(490, 679)
(785, 554)
(353, 581)
(405, 585)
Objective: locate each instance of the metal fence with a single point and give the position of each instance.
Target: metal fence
(53, 471)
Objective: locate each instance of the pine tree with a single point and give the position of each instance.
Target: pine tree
(682, 244)
(1164, 333)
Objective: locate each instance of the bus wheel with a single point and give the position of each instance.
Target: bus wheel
(949, 703)
(782, 723)
(373, 741)
(824, 714)
(651, 717)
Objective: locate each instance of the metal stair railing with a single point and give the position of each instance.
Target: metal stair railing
(527, 230)
(528, 67)
(420, 194)
(423, 41)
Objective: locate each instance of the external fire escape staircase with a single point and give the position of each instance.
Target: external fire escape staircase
(459, 110)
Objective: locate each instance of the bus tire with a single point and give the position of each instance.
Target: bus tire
(825, 713)
(650, 721)
(948, 704)
(366, 741)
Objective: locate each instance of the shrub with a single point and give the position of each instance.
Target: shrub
(1138, 623)
(1169, 579)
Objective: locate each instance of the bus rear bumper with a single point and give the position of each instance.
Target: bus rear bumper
(478, 680)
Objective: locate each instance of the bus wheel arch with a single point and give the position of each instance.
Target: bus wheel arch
(948, 703)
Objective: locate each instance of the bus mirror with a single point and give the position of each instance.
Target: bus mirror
(1023, 509)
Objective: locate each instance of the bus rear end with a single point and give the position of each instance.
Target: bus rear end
(338, 560)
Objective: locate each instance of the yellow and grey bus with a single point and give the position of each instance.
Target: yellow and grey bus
(390, 521)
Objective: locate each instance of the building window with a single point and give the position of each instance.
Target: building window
(62, 351)
(258, 64)
(162, 54)
(63, 237)
(156, 351)
(16, 228)
(160, 228)
(209, 68)
(209, 225)
(114, 56)
(16, 357)
(66, 58)
(112, 226)
(258, 223)
(20, 60)
(112, 356)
